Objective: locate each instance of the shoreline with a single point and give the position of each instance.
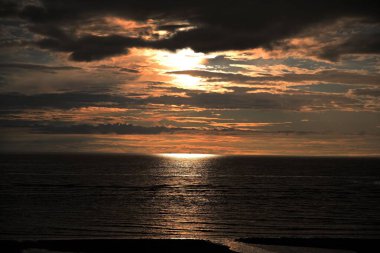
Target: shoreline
(277, 245)
(358, 245)
(112, 246)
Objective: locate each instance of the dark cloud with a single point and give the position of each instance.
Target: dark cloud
(329, 88)
(332, 76)
(233, 100)
(129, 70)
(59, 128)
(36, 67)
(367, 92)
(9, 43)
(265, 101)
(85, 48)
(8, 8)
(219, 25)
(117, 68)
(358, 44)
(101, 129)
(90, 48)
(64, 100)
(225, 63)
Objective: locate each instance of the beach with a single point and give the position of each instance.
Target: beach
(254, 245)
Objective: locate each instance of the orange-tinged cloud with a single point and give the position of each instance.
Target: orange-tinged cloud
(128, 24)
(223, 144)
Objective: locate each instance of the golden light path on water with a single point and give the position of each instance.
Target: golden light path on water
(187, 155)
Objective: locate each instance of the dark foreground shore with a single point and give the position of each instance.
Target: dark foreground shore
(277, 245)
(112, 246)
(349, 244)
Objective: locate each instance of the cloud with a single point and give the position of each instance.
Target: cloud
(36, 67)
(289, 84)
(28, 78)
(367, 92)
(331, 76)
(100, 129)
(358, 44)
(90, 48)
(73, 128)
(216, 76)
(254, 143)
(63, 100)
(129, 70)
(238, 100)
(235, 25)
(8, 8)
(329, 88)
(264, 101)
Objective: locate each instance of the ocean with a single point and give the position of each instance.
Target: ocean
(69, 196)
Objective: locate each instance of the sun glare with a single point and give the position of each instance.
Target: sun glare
(187, 81)
(184, 59)
(187, 155)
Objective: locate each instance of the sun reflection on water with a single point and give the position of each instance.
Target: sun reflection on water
(184, 202)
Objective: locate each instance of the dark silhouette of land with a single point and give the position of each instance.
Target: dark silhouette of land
(353, 244)
(115, 246)
(180, 245)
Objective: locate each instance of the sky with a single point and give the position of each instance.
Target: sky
(226, 77)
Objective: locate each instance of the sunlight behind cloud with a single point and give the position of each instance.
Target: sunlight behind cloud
(188, 82)
(184, 59)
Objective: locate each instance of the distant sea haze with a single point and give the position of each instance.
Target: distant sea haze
(67, 196)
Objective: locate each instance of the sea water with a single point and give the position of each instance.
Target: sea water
(65, 196)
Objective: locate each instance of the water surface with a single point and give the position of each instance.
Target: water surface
(135, 196)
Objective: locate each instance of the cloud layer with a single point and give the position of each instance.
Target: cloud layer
(236, 25)
(280, 72)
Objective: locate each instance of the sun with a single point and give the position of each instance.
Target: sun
(181, 60)
(184, 59)
(187, 155)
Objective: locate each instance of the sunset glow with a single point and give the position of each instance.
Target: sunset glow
(175, 70)
(188, 82)
(239, 126)
(187, 155)
(183, 59)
